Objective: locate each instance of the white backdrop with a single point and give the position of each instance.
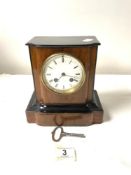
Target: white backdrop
(109, 20)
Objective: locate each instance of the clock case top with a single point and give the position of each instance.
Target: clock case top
(63, 41)
(82, 47)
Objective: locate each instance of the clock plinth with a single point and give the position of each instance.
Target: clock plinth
(63, 70)
(73, 115)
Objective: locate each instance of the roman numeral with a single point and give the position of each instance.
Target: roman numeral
(50, 67)
(56, 85)
(75, 67)
(48, 74)
(62, 58)
(55, 62)
(77, 74)
(70, 61)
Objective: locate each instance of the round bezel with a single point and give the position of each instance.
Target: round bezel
(62, 91)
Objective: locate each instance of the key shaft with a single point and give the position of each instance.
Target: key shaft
(73, 134)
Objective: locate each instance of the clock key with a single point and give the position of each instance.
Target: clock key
(73, 134)
(61, 134)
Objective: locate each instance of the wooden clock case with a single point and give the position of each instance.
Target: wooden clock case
(49, 108)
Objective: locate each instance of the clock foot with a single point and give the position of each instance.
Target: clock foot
(66, 115)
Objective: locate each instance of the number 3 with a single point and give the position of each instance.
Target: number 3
(64, 152)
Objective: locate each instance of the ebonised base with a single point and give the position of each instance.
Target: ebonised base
(67, 115)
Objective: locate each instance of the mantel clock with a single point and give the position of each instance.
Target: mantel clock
(63, 70)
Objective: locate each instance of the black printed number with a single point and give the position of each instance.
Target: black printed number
(64, 152)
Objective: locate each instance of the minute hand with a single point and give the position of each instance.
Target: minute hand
(71, 76)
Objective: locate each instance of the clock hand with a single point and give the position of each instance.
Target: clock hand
(73, 79)
(57, 79)
(64, 74)
(72, 76)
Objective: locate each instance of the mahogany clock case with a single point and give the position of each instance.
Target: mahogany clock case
(79, 108)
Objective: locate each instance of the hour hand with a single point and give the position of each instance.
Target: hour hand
(57, 79)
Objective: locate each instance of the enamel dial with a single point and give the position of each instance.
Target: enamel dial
(63, 73)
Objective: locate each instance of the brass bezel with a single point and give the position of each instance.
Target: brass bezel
(69, 91)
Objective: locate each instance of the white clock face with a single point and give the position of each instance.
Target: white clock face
(63, 73)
